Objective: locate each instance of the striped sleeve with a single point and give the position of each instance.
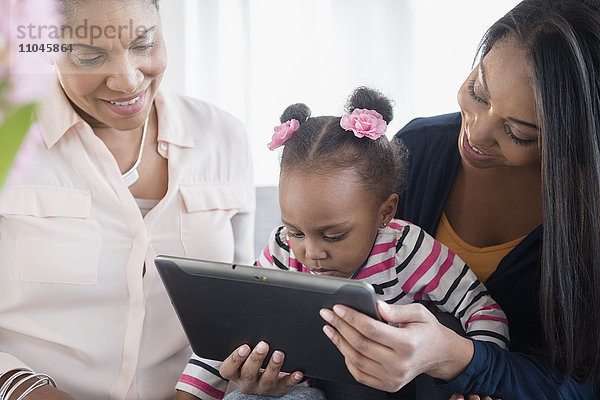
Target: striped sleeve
(202, 379)
(428, 270)
(276, 253)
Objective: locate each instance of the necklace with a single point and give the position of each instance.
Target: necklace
(131, 176)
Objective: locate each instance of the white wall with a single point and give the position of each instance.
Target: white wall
(255, 57)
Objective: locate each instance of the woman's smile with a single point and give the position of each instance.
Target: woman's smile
(472, 152)
(128, 106)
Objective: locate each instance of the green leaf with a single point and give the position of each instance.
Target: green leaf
(12, 132)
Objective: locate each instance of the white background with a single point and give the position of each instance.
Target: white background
(255, 57)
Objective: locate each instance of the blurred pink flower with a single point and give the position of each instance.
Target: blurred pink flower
(25, 74)
(23, 23)
(364, 122)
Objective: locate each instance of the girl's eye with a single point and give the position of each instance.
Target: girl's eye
(296, 235)
(474, 96)
(515, 138)
(334, 238)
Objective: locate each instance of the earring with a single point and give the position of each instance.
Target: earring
(384, 225)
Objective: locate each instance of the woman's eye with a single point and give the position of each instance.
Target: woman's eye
(515, 138)
(474, 96)
(296, 235)
(88, 60)
(143, 47)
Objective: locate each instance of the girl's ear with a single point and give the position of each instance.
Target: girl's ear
(388, 210)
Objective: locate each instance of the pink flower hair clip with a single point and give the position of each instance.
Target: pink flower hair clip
(282, 133)
(364, 122)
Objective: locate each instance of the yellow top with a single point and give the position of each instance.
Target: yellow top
(482, 260)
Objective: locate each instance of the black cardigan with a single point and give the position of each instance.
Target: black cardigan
(432, 164)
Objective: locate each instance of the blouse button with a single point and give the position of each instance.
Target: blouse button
(163, 146)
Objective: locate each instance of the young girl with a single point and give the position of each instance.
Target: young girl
(337, 196)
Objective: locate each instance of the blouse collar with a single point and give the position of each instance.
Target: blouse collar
(56, 116)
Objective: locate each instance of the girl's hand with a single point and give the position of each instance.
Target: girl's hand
(458, 396)
(244, 368)
(387, 357)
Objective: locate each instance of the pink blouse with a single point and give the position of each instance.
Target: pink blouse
(73, 244)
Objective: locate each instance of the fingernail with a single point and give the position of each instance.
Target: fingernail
(297, 376)
(326, 314)
(277, 357)
(261, 347)
(339, 310)
(244, 351)
(383, 305)
(328, 331)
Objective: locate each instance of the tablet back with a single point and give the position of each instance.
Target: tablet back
(222, 306)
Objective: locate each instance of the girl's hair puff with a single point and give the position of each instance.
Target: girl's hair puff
(322, 146)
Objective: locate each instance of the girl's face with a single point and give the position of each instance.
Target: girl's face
(499, 120)
(117, 61)
(332, 221)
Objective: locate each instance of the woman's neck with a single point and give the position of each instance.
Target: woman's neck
(496, 205)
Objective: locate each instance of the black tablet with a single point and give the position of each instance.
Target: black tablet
(222, 306)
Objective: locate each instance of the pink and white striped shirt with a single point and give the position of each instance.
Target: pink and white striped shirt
(406, 265)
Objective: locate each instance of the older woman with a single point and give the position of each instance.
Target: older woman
(122, 171)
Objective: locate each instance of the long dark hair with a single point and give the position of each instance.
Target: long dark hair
(562, 42)
(321, 146)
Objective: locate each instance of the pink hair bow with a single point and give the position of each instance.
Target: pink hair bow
(282, 133)
(364, 122)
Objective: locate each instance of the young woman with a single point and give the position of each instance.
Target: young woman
(519, 193)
